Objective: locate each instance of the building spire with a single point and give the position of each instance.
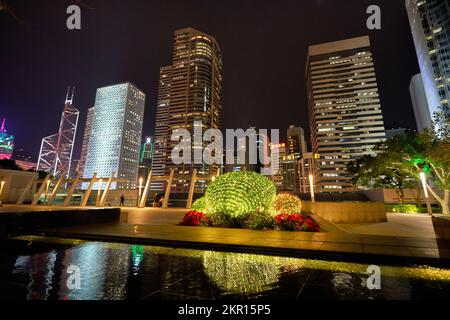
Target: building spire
(73, 92)
(70, 101)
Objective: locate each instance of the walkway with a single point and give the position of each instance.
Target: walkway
(405, 225)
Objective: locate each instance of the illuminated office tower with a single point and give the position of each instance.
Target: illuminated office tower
(55, 155)
(87, 134)
(115, 140)
(344, 108)
(6, 142)
(162, 135)
(430, 26)
(278, 150)
(190, 90)
(296, 141)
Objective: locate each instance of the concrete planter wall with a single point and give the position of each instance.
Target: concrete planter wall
(15, 183)
(348, 212)
(441, 226)
(12, 223)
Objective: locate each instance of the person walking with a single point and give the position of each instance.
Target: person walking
(122, 201)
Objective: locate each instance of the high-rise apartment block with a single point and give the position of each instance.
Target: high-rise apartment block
(190, 90)
(115, 139)
(430, 26)
(344, 108)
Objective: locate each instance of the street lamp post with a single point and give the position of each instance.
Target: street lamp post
(423, 178)
(311, 187)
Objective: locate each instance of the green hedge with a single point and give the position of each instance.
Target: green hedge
(409, 208)
(402, 208)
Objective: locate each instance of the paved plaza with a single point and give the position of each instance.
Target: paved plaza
(405, 237)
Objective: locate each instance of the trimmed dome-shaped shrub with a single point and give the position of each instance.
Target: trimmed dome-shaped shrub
(287, 203)
(200, 205)
(239, 193)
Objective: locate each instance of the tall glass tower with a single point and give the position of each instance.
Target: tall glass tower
(115, 139)
(55, 155)
(190, 90)
(430, 25)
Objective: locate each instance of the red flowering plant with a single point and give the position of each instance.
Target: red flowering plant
(296, 222)
(195, 219)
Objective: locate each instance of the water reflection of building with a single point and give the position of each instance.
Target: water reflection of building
(40, 271)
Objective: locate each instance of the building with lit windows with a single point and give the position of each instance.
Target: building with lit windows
(6, 142)
(296, 141)
(86, 136)
(160, 155)
(308, 167)
(430, 26)
(55, 155)
(115, 140)
(190, 90)
(279, 151)
(344, 108)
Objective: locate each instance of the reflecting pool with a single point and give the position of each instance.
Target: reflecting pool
(44, 269)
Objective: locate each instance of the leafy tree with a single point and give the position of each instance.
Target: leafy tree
(399, 161)
(381, 172)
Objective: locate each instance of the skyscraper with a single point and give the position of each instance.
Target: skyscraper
(190, 90)
(430, 25)
(6, 142)
(115, 140)
(160, 156)
(296, 141)
(55, 155)
(86, 136)
(278, 150)
(344, 108)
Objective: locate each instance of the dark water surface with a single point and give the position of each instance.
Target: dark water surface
(119, 271)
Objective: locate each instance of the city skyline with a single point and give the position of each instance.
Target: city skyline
(251, 99)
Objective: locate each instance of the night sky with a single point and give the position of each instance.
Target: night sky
(264, 45)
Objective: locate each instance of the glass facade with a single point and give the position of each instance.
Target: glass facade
(430, 25)
(114, 143)
(190, 90)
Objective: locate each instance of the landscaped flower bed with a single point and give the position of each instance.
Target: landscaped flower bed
(248, 200)
(195, 219)
(296, 222)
